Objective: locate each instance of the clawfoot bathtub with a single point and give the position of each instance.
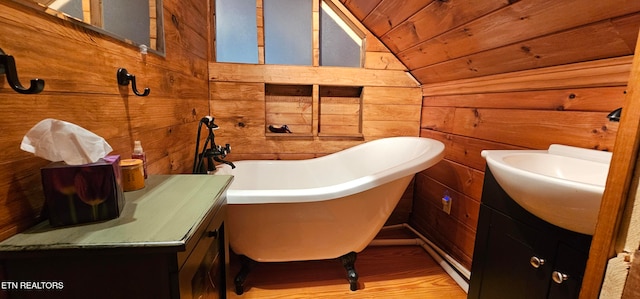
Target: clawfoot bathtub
(323, 208)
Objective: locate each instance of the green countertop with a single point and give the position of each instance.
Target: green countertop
(163, 214)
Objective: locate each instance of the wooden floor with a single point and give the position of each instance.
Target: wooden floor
(385, 272)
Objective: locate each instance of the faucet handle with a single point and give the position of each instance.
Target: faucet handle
(222, 151)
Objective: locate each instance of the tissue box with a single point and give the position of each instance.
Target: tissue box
(83, 193)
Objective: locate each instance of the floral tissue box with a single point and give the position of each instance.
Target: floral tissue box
(83, 193)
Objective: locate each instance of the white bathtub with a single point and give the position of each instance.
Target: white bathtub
(321, 208)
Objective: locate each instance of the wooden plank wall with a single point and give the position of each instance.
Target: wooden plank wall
(79, 68)
(500, 74)
(391, 107)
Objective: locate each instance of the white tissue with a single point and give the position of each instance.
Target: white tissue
(57, 140)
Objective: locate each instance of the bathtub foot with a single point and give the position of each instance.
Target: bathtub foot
(348, 261)
(241, 277)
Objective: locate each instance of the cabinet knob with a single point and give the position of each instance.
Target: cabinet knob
(536, 262)
(559, 277)
(212, 234)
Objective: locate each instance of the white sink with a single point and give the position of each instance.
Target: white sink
(562, 185)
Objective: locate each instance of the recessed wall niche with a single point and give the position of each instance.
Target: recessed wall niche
(290, 105)
(340, 112)
(314, 110)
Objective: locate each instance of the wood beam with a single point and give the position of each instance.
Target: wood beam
(625, 154)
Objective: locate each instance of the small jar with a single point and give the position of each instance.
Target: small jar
(132, 174)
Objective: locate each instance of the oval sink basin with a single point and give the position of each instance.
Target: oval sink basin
(562, 185)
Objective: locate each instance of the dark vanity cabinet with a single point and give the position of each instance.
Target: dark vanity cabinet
(169, 242)
(518, 255)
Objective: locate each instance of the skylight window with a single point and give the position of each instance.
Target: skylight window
(340, 45)
(236, 31)
(287, 32)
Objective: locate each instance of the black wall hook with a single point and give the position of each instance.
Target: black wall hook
(124, 78)
(615, 115)
(8, 67)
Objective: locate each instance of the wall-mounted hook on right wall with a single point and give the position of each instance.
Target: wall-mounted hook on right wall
(8, 67)
(615, 115)
(124, 78)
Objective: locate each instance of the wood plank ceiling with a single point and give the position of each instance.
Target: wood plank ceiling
(444, 40)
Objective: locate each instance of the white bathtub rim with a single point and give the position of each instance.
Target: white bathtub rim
(305, 195)
(435, 154)
(320, 193)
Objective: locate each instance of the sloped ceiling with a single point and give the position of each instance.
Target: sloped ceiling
(444, 40)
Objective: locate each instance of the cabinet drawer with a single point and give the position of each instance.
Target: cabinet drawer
(210, 222)
(203, 261)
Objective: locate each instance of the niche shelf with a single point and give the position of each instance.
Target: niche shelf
(290, 105)
(340, 111)
(324, 111)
